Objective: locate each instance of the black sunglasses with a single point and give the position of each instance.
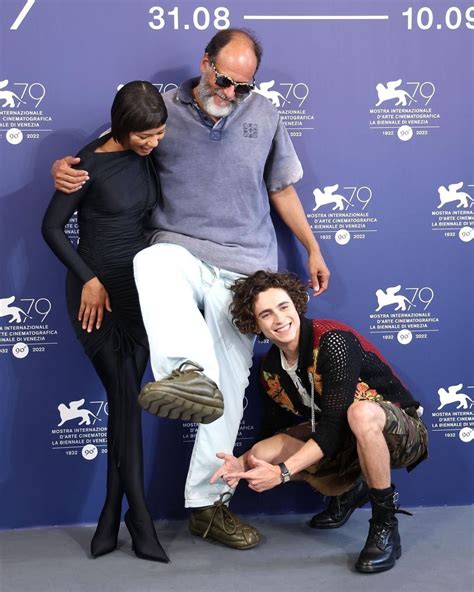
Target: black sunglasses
(241, 88)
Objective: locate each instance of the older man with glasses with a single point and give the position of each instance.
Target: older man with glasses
(225, 160)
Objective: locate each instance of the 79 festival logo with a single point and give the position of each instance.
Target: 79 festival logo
(162, 87)
(403, 109)
(342, 213)
(403, 314)
(454, 214)
(21, 111)
(24, 330)
(85, 433)
(289, 98)
(454, 416)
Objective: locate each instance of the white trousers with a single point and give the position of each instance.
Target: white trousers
(185, 308)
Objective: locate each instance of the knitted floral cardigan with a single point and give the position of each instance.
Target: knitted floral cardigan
(343, 366)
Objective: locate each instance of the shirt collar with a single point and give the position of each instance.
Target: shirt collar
(185, 90)
(285, 365)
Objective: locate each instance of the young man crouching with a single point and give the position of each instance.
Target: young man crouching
(336, 408)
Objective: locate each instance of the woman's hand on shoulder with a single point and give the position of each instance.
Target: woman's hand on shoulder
(94, 299)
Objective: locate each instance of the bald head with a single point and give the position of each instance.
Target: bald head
(241, 41)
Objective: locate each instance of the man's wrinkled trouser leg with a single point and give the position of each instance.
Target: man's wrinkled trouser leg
(174, 287)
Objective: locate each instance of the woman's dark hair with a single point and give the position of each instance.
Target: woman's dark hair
(221, 39)
(246, 290)
(138, 106)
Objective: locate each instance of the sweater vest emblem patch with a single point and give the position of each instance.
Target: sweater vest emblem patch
(250, 130)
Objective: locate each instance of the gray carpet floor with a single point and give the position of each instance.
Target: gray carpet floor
(437, 555)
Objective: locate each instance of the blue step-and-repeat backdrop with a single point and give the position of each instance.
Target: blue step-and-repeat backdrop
(377, 97)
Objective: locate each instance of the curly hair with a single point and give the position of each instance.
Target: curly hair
(246, 290)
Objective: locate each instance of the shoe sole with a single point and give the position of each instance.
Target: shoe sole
(177, 407)
(197, 531)
(378, 569)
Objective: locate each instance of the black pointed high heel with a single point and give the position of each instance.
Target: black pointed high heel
(102, 545)
(105, 537)
(145, 543)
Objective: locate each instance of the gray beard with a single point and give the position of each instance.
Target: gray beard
(206, 98)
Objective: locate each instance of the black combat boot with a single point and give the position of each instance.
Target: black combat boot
(341, 507)
(382, 547)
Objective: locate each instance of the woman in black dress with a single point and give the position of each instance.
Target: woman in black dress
(102, 300)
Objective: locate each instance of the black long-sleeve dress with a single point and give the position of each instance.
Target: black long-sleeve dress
(122, 190)
(112, 207)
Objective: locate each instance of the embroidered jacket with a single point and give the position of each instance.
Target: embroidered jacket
(343, 365)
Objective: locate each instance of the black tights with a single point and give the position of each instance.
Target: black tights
(120, 366)
(120, 370)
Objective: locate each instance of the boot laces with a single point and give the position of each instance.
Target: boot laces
(220, 509)
(185, 368)
(393, 505)
(339, 504)
(397, 505)
(380, 527)
(398, 511)
(379, 532)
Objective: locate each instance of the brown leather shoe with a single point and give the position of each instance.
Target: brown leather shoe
(217, 522)
(187, 394)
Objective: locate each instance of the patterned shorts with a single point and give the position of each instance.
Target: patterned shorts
(407, 441)
(405, 434)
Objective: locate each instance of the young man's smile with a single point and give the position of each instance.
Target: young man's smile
(277, 318)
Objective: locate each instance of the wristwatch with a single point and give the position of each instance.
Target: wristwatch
(285, 473)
